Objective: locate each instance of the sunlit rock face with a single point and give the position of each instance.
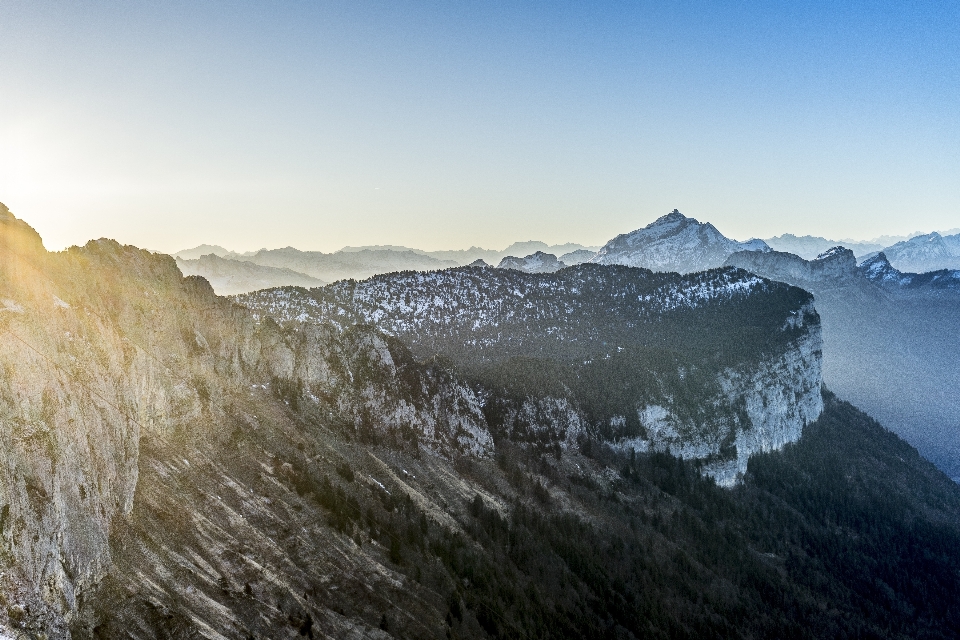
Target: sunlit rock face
(674, 242)
(97, 345)
(104, 345)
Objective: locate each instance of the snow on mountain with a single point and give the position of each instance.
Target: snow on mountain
(930, 252)
(577, 257)
(481, 299)
(538, 262)
(674, 242)
(606, 327)
(809, 247)
(879, 271)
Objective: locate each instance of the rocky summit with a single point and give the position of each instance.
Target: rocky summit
(538, 262)
(674, 242)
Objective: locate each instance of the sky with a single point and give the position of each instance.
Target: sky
(441, 125)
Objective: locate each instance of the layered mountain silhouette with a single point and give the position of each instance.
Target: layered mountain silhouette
(929, 252)
(538, 262)
(310, 268)
(229, 277)
(891, 341)
(809, 247)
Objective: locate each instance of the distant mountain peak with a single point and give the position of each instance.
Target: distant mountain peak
(925, 253)
(538, 262)
(879, 270)
(674, 242)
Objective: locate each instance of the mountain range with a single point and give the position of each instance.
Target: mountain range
(891, 341)
(870, 322)
(465, 256)
(232, 273)
(671, 243)
(600, 451)
(231, 276)
(929, 252)
(809, 247)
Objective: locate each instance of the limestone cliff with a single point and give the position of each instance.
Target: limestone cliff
(104, 345)
(168, 454)
(714, 366)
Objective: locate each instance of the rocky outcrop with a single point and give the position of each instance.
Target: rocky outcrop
(538, 262)
(879, 271)
(757, 409)
(835, 266)
(556, 341)
(374, 382)
(891, 341)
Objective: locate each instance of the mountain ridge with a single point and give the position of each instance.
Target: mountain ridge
(230, 276)
(504, 327)
(173, 468)
(890, 341)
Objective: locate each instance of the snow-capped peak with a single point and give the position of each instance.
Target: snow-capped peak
(674, 242)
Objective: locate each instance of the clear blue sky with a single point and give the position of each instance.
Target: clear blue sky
(447, 124)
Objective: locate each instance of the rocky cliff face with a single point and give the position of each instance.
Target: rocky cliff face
(891, 340)
(174, 468)
(833, 267)
(758, 409)
(612, 353)
(105, 345)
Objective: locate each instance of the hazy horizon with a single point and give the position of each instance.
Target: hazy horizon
(882, 239)
(443, 126)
